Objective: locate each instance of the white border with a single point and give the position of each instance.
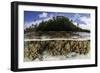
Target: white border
(22, 64)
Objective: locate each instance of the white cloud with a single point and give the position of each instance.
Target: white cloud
(27, 25)
(75, 23)
(86, 20)
(43, 15)
(83, 26)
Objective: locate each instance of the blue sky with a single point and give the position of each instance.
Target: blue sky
(33, 17)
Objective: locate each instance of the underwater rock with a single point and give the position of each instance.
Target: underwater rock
(35, 49)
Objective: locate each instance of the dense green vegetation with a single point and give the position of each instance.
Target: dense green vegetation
(59, 23)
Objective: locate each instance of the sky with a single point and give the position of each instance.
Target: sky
(35, 17)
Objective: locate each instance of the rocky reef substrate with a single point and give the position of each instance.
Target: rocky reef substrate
(55, 48)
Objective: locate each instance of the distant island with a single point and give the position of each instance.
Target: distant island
(57, 27)
(58, 23)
